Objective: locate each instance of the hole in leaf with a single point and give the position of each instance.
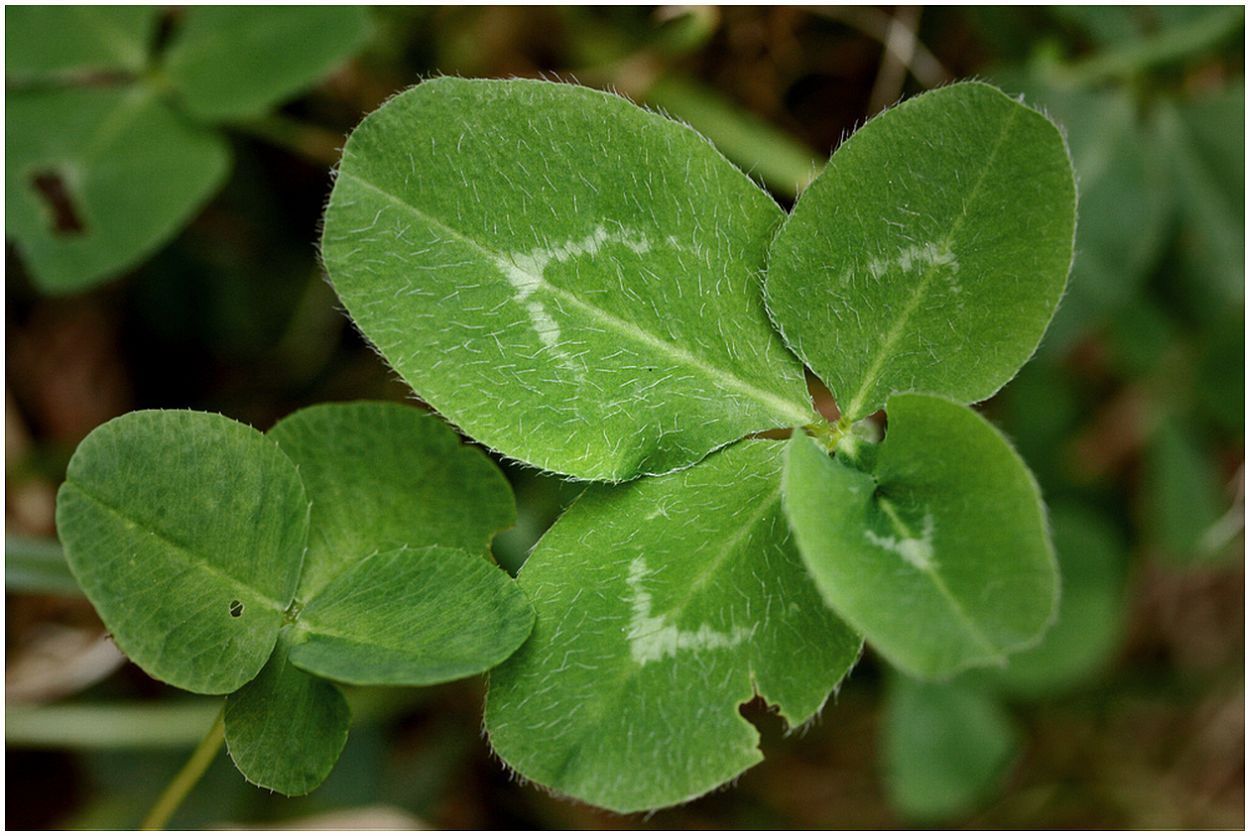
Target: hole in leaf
(236, 608)
(54, 192)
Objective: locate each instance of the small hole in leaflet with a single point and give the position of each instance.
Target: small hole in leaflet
(236, 608)
(55, 194)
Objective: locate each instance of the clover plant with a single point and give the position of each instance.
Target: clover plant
(112, 144)
(346, 545)
(592, 289)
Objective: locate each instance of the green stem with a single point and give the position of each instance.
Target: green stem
(312, 142)
(186, 779)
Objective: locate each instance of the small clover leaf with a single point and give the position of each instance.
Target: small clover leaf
(170, 518)
(571, 279)
(286, 728)
(945, 517)
(931, 252)
(662, 605)
(109, 155)
(188, 533)
(376, 473)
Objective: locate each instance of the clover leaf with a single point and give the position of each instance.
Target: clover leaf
(189, 533)
(947, 518)
(931, 252)
(661, 606)
(112, 148)
(570, 279)
(580, 284)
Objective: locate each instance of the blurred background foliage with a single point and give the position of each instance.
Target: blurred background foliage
(1131, 713)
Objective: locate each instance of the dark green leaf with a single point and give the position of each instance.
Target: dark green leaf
(383, 475)
(285, 728)
(237, 61)
(186, 531)
(412, 617)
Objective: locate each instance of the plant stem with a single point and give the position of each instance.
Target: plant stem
(187, 777)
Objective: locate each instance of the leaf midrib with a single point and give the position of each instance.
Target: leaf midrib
(631, 668)
(186, 554)
(973, 630)
(922, 288)
(719, 375)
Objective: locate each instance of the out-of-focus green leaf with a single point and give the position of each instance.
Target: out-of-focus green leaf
(412, 617)
(236, 61)
(931, 252)
(47, 42)
(1182, 496)
(937, 551)
(381, 476)
(1204, 141)
(572, 280)
(286, 728)
(1091, 611)
(946, 748)
(1221, 379)
(186, 532)
(662, 606)
(97, 178)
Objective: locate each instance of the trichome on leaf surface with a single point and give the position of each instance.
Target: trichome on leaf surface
(592, 289)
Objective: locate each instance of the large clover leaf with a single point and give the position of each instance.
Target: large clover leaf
(662, 605)
(570, 279)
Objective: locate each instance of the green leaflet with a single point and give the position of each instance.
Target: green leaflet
(186, 532)
(376, 473)
(89, 39)
(286, 728)
(662, 605)
(237, 61)
(946, 518)
(131, 173)
(945, 748)
(1089, 621)
(931, 252)
(572, 280)
(412, 617)
(103, 166)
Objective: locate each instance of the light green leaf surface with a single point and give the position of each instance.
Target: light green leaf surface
(285, 728)
(382, 475)
(186, 531)
(662, 606)
(570, 279)
(131, 173)
(412, 617)
(47, 42)
(1090, 620)
(931, 252)
(946, 748)
(939, 554)
(237, 61)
